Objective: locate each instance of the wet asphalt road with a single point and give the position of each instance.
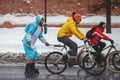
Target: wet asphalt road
(74, 73)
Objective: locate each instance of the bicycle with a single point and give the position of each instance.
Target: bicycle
(113, 61)
(56, 62)
(98, 60)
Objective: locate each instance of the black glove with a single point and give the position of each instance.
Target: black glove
(47, 44)
(111, 41)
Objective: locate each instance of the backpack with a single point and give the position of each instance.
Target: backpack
(90, 32)
(27, 27)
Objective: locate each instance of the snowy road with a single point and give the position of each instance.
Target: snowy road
(74, 73)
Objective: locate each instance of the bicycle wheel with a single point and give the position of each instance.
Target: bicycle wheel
(93, 67)
(116, 60)
(80, 58)
(54, 63)
(113, 61)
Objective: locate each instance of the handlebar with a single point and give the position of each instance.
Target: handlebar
(58, 45)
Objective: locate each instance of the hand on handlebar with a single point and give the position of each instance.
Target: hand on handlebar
(47, 44)
(111, 41)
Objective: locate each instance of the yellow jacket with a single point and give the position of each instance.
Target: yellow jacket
(70, 19)
(70, 28)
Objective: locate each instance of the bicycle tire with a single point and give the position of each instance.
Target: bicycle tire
(94, 69)
(111, 63)
(51, 65)
(80, 59)
(116, 60)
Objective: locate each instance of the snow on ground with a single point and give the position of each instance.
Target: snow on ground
(11, 39)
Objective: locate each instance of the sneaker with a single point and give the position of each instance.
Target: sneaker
(65, 58)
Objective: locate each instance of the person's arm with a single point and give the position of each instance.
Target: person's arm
(42, 39)
(77, 32)
(101, 34)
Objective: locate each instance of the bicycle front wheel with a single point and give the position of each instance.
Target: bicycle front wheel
(80, 58)
(92, 66)
(113, 61)
(54, 63)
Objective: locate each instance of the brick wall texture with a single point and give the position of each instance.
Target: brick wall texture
(57, 7)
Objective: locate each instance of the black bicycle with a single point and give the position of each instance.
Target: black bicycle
(98, 61)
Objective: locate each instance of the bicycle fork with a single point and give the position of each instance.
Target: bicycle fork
(91, 58)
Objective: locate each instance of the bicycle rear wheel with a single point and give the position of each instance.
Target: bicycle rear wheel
(54, 63)
(92, 66)
(113, 61)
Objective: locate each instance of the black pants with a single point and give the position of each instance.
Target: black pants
(71, 44)
(99, 46)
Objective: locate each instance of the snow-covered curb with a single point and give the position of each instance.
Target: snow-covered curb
(19, 58)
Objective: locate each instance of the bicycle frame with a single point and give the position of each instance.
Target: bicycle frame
(84, 47)
(64, 47)
(109, 47)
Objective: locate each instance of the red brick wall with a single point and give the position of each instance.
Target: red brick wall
(61, 7)
(54, 7)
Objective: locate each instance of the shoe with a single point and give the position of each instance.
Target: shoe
(71, 62)
(65, 58)
(31, 71)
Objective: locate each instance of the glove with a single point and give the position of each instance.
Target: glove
(29, 44)
(111, 41)
(47, 44)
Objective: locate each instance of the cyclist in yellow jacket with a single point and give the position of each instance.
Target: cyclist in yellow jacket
(67, 30)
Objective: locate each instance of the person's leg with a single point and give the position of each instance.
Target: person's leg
(96, 47)
(71, 44)
(102, 45)
(31, 55)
